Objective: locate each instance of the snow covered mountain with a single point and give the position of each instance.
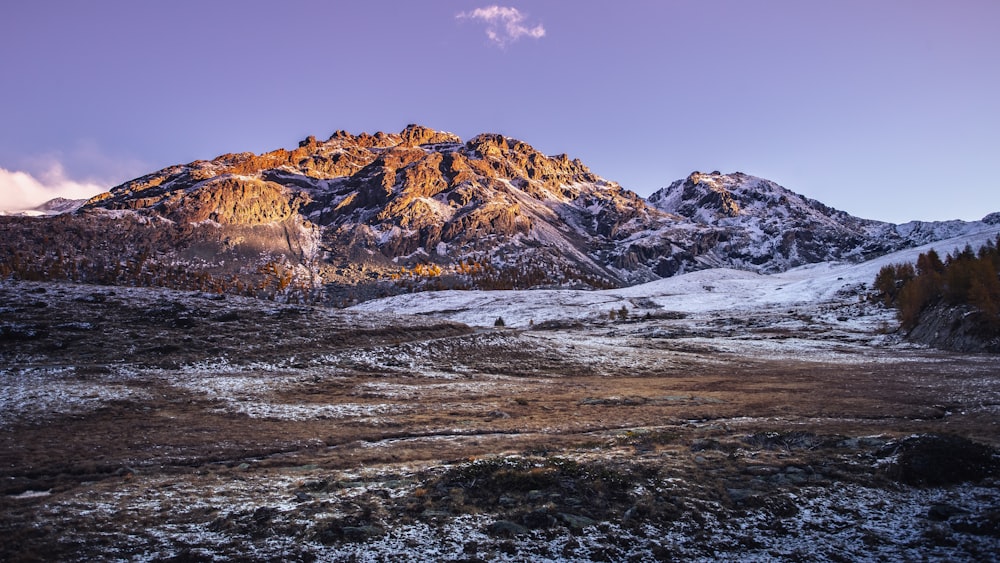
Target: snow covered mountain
(362, 216)
(769, 228)
(55, 206)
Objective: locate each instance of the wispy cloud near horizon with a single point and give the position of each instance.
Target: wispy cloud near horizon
(504, 24)
(21, 190)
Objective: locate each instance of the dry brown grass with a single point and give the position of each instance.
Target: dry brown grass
(423, 395)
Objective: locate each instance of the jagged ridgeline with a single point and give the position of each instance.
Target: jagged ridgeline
(361, 216)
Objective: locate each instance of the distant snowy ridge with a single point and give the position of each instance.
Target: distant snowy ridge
(56, 206)
(769, 228)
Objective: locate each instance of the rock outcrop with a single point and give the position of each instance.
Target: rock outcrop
(232, 200)
(958, 328)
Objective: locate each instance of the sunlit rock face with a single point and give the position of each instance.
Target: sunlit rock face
(389, 201)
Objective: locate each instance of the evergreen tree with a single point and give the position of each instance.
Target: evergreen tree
(967, 278)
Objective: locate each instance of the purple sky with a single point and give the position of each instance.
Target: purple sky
(887, 109)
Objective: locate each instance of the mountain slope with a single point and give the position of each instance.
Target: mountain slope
(813, 290)
(493, 210)
(356, 217)
(772, 228)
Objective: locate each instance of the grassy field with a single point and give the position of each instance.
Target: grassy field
(157, 425)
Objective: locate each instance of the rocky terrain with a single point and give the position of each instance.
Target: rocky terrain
(373, 207)
(770, 228)
(149, 424)
(955, 328)
(356, 217)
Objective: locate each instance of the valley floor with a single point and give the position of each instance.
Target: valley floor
(140, 424)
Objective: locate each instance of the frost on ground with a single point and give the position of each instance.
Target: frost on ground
(545, 509)
(39, 392)
(834, 290)
(160, 425)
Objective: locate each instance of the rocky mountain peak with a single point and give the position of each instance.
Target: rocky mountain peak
(713, 192)
(402, 199)
(412, 135)
(381, 210)
(416, 135)
(59, 205)
(772, 228)
(716, 198)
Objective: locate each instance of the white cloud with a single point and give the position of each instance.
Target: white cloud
(504, 24)
(21, 190)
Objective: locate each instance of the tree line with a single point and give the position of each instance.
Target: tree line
(966, 278)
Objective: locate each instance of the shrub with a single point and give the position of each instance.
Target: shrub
(938, 460)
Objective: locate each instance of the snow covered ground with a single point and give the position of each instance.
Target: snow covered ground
(703, 292)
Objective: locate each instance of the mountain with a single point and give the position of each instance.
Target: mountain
(407, 207)
(770, 228)
(359, 216)
(55, 206)
(923, 232)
